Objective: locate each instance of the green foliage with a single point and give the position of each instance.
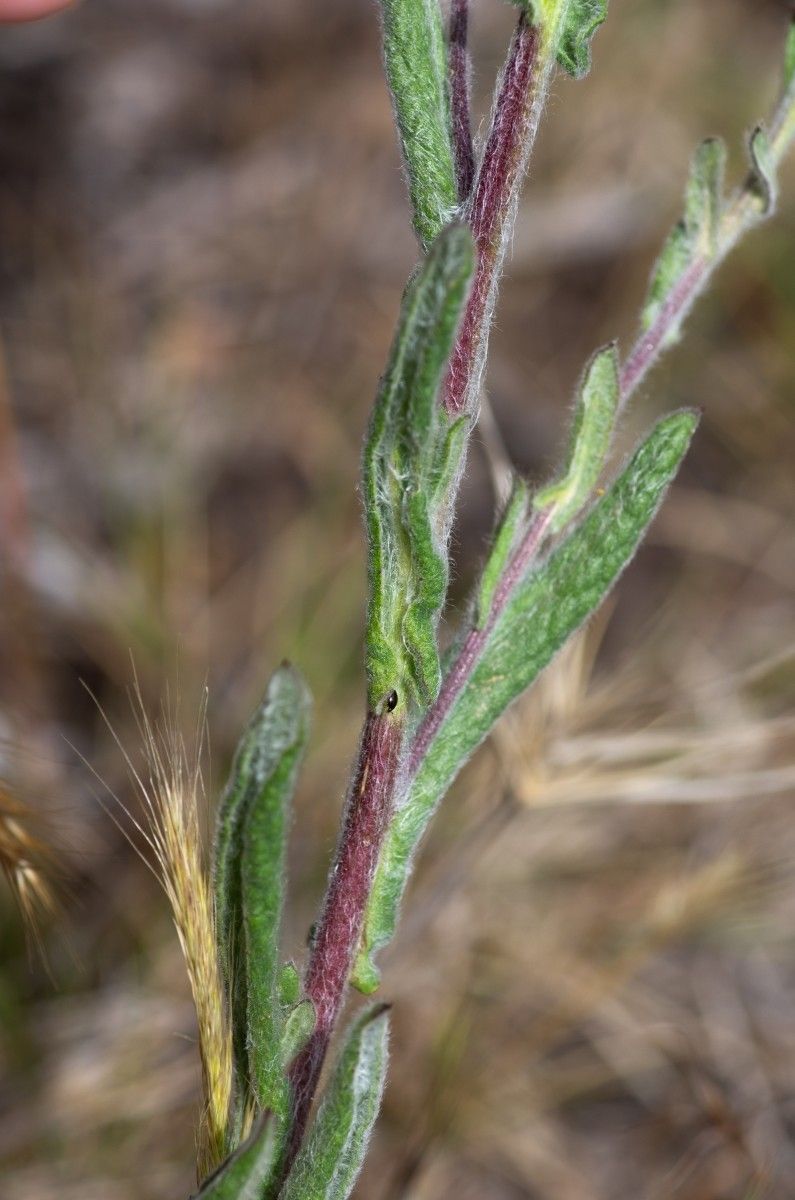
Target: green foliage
(412, 460)
(789, 57)
(289, 985)
(764, 183)
(246, 1173)
(695, 238)
(299, 1025)
(416, 69)
(592, 432)
(782, 125)
(583, 18)
(249, 882)
(505, 540)
(568, 26)
(543, 612)
(332, 1155)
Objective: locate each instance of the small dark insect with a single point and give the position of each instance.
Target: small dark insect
(391, 702)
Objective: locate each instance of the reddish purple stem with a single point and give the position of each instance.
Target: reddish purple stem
(490, 209)
(337, 936)
(473, 644)
(646, 350)
(641, 359)
(459, 97)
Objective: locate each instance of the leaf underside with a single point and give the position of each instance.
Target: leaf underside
(332, 1154)
(416, 69)
(246, 1173)
(249, 865)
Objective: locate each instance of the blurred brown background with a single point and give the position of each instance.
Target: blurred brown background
(203, 240)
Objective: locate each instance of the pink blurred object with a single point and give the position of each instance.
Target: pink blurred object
(30, 10)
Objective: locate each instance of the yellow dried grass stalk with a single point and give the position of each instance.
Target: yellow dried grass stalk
(27, 862)
(171, 790)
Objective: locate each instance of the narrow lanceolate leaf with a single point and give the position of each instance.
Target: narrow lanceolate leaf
(249, 877)
(694, 241)
(592, 432)
(764, 181)
(416, 69)
(299, 1025)
(332, 1155)
(542, 613)
(505, 540)
(768, 145)
(412, 461)
(246, 1173)
(568, 26)
(583, 18)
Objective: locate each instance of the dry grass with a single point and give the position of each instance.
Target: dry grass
(170, 789)
(28, 863)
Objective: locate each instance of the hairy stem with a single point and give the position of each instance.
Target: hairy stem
(652, 341)
(459, 97)
(475, 640)
(492, 207)
(337, 936)
(740, 213)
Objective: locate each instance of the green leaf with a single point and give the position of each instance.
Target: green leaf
(789, 56)
(299, 1025)
(332, 1155)
(696, 237)
(249, 859)
(416, 68)
(544, 611)
(764, 182)
(246, 1173)
(592, 432)
(583, 18)
(503, 546)
(289, 985)
(568, 26)
(412, 461)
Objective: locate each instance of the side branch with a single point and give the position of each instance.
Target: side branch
(476, 639)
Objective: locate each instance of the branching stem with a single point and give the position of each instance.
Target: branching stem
(740, 212)
(489, 197)
(475, 640)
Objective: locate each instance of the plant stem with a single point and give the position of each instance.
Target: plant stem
(475, 640)
(649, 345)
(740, 212)
(337, 936)
(459, 97)
(492, 207)
(370, 802)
